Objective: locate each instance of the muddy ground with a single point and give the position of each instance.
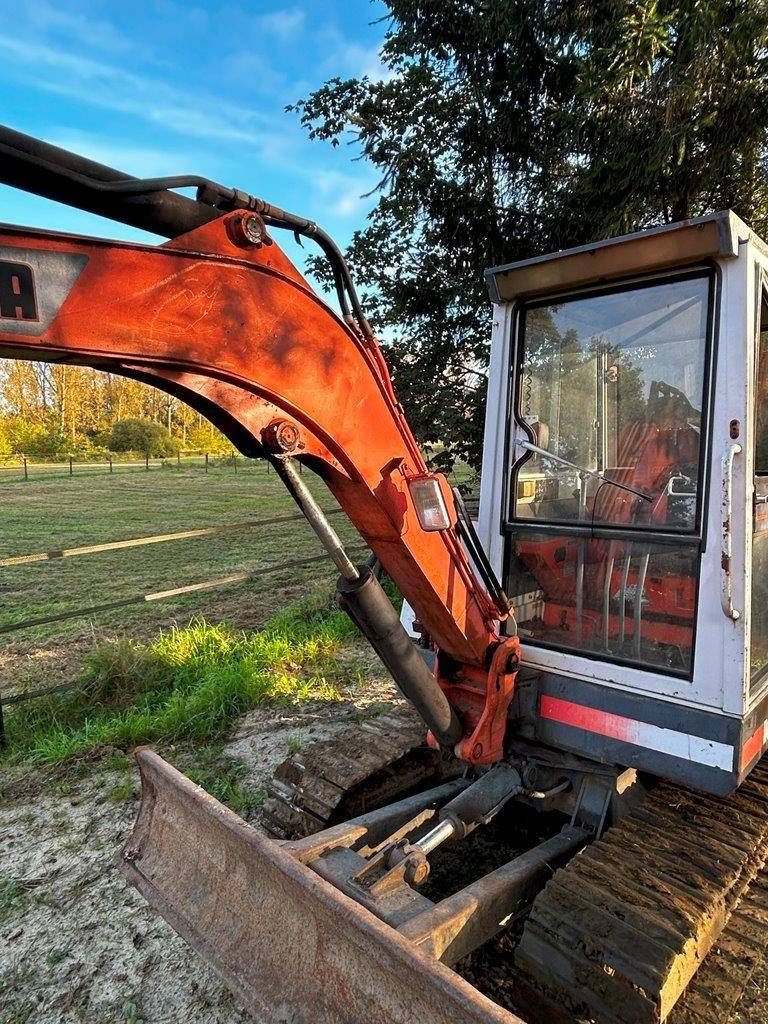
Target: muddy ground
(78, 945)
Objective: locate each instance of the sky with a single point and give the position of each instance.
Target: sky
(174, 88)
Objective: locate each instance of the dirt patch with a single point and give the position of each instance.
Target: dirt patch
(76, 943)
(79, 945)
(265, 737)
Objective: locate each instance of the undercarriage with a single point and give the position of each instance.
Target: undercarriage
(609, 893)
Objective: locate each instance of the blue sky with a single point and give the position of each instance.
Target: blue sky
(170, 88)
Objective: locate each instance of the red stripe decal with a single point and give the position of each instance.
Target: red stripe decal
(602, 722)
(751, 748)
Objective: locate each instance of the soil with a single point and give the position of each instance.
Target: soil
(79, 945)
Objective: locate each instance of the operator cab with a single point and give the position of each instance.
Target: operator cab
(624, 499)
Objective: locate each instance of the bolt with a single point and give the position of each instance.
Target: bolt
(282, 436)
(416, 870)
(248, 230)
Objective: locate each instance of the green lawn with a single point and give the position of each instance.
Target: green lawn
(186, 684)
(60, 512)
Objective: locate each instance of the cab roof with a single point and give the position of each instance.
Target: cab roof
(715, 236)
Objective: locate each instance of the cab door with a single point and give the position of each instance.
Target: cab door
(758, 644)
(609, 453)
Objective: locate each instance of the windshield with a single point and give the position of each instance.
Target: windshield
(614, 384)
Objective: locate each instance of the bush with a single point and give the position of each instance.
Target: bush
(208, 439)
(27, 438)
(143, 436)
(5, 442)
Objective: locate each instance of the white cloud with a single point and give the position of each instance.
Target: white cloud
(140, 161)
(111, 88)
(283, 23)
(342, 195)
(43, 17)
(346, 57)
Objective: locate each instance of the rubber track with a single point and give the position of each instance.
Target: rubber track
(365, 765)
(619, 932)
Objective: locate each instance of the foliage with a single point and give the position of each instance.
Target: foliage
(186, 684)
(225, 778)
(6, 448)
(503, 129)
(143, 436)
(51, 411)
(40, 437)
(207, 439)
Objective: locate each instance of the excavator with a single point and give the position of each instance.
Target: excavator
(590, 654)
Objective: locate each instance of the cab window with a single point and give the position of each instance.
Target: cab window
(603, 545)
(612, 386)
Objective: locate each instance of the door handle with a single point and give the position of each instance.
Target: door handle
(727, 549)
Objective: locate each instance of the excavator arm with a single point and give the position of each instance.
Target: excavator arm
(219, 317)
(337, 926)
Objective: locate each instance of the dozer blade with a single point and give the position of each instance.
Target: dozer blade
(290, 946)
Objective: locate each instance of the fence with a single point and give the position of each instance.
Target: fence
(28, 469)
(56, 554)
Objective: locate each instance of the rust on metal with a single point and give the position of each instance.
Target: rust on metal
(232, 328)
(621, 930)
(291, 947)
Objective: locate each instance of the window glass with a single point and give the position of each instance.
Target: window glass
(758, 648)
(627, 600)
(612, 387)
(761, 393)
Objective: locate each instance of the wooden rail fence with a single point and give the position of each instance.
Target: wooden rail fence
(27, 469)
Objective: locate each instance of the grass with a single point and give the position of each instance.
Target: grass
(61, 513)
(187, 684)
(224, 778)
(12, 894)
(120, 793)
(294, 744)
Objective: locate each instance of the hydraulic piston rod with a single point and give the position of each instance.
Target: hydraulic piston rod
(316, 518)
(365, 601)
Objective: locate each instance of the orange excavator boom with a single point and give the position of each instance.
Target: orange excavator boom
(219, 317)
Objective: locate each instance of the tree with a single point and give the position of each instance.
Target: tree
(507, 128)
(53, 410)
(143, 436)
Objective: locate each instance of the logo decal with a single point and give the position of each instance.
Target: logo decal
(34, 284)
(17, 292)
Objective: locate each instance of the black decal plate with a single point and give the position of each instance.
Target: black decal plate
(33, 286)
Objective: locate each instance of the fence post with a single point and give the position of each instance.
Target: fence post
(267, 467)
(109, 456)
(235, 458)
(26, 472)
(71, 467)
(178, 460)
(146, 460)
(206, 463)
